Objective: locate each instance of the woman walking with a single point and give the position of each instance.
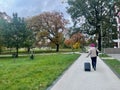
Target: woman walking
(93, 54)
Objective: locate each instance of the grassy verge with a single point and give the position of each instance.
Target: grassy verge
(103, 55)
(113, 64)
(37, 50)
(37, 74)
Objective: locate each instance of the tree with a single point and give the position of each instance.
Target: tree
(29, 39)
(49, 25)
(76, 41)
(76, 45)
(16, 34)
(96, 13)
(2, 26)
(68, 42)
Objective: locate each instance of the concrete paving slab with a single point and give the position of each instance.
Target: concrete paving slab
(75, 78)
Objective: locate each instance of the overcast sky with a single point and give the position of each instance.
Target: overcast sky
(27, 8)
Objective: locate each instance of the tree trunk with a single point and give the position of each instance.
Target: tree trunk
(57, 47)
(17, 52)
(28, 49)
(99, 41)
(0, 50)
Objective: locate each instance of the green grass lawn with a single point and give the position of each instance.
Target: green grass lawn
(25, 74)
(103, 55)
(114, 64)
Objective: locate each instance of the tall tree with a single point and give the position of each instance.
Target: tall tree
(2, 27)
(96, 13)
(49, 25)
(16, 33)
(29, 39)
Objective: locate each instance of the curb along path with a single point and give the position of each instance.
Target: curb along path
(75, 78)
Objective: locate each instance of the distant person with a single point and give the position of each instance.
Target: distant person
(93, 52)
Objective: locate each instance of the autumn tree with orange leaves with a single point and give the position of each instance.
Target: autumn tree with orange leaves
(49, 25)
(75, 41)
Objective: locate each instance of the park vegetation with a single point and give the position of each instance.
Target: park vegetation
(76, 40)
(49, 27)
(37, 74)
(46, 30)
(98, 20)
(49, 30)
(114, 64)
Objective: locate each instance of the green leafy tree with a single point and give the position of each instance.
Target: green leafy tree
(97, 14)
(29, 39)
(16, 34)
(2, 26)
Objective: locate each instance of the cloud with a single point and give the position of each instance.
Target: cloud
(25, 8)
(28, 8)
(5, 5)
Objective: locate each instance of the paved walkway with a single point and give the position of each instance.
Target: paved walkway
(75, 78)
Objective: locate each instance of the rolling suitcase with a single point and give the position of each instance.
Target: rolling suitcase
(87, 66)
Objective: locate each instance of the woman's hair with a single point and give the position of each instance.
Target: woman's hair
(92, 45)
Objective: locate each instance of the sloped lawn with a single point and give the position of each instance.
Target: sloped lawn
(25, 74)
(114, 64)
